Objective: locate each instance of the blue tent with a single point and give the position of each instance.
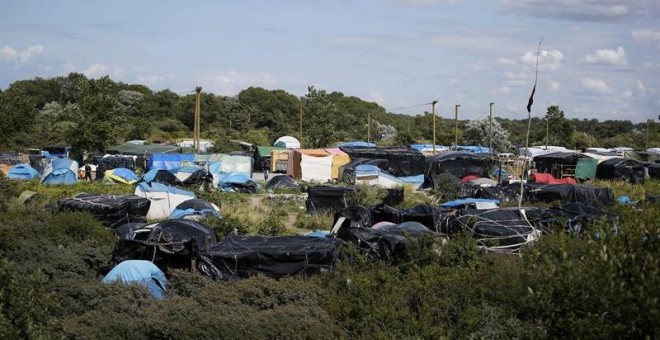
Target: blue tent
(466, 202)
(356, 144)
(169, 161)
(141, 272)
(23, 172)
(237, 182)
(126, 174)
(195, 208)
(61, 171)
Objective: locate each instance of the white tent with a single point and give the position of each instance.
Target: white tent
(164, 199)
(287, 142)
(317, 169)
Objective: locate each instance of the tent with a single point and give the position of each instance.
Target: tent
(111, 210)
(195, 209)
(557, 163)
(427, 149)
(281, 182)
(168, 161)
(401, 161)
(279, 160)
(322, 198)
(160, 176)
(262, 160)
(287, 142)
(586, 168)
(109, 162)
(237, 182)
(190, 175)
(356, 144)
(142, 150)
(347, 171)
(549, 179)
(60, 171)
(275, 256)
(164, 199)
(372, 175)
(23, 172)
(456, 163)
(140, 272)
(121, 175)
(621, 169)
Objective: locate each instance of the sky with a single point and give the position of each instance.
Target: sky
(598, 58)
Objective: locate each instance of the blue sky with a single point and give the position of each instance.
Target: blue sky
(599, 58)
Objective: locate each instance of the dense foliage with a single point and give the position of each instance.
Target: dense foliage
(92, 114)
(603, 284)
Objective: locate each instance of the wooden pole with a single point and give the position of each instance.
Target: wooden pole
(198, 108)
(301, 123)
(368, 126)
(456, 126)
(433, 113)
(490, 128)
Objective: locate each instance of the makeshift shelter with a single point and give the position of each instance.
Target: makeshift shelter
(173, 243)
(428, 150)
(621, 169)
(279, 160)
(317, 164)
(586, 168)
(237, 182)
(111, 210)
(23, 172)
(160, 176)
(121, 175)
(262, 157)
(142, 150)
(347, 171)
(339, 159)
(281, 182)
(195, 209)
(169, 161)
(163, 198)
(190, 175)
(559, 164)
(275, 256)
(372, 175)
(428, 215)
(322, 198)
(653, 170)
(60, 171)
(401, 161)
(549, 179)
(356, 144)
(139, 272)
(109, 162)
(474, 149)
(456, 163)
(287, 142)
(228, 164)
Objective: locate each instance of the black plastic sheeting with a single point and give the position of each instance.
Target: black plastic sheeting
(654, 170)
(196, 204)
(172, 243)
(281, 182)
(332, 199)
(165, 177)
(548, 193)
(347, 171)
(401, 161)
(621, 169)
(112, 162)
(275, 256)
(196, 178)
(125, 231)
(546, 163)
(572, 217)
(111, 210)
(456, 163)
(428, 215)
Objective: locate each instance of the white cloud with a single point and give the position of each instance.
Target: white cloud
(518, 79)
(376, 97)
(427, 2)
(606, 56)
(596, 85)
(548, 59)
(646, 34)
(553, 85)
(504, 90)
(28, 55)
(99, 70)
(640, 86)
(154, 79)
(627, 94)
(586, 10)
(8, 54)
(232, 82)
(506, 61)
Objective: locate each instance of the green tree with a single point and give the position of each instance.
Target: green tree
(319, 119)
(560, 128)
(477, 132)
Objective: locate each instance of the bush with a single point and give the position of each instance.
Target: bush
(446, 187)
(365, 195)
(272, 225)
(227, 225)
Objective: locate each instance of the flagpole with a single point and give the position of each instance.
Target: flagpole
(529, 125)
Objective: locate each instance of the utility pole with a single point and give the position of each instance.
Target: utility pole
(301, 123)
(490, 128)
(547, 132)
(433, 113)
(198, 109)
(456, 126)
(368, 127)
(648, 122)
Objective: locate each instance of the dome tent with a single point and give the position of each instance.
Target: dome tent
(60, 171)
(287, 142)
(23, 172)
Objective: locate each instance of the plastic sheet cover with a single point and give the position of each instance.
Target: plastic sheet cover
(275, 256)
(401, 161)
(333, 199)
(281, 182)
(111, 210)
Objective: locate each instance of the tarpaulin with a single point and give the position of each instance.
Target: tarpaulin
(111, 210)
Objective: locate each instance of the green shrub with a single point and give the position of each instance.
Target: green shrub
(445, 187)
(272, 225)
(227, 225)
(365, 195)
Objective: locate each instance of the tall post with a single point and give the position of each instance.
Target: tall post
(198, 108)
(301, 123)
(433, 113)
(648, 121)
(490, 128)
(456, 126)
(368, 127)
(547, 132)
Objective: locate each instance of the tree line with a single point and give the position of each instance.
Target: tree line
(94, 114)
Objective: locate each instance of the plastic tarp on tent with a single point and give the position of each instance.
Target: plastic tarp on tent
(230, 164)
(121, 175)
(427, 149)
(189, 175)
(551, 163)
(60, 171)
(140, 272)
(401, 161)
(275, 256)
(356, 144)
(111, 210)
(23, 172)
(321, 198)
(456, 163)
(549, 179)
(621, 169)
(237, 182)
(169, 161)
(373, 175)
(281, 182)
(195, 209)
(316, 168)
(172, 243)
(160, 176)
(287, 142)
(164, 199)
(109, 162)
(586, 168)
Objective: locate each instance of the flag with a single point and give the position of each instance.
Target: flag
(531, 100)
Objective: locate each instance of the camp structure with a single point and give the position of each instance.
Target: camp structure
(231, 163)
(401, 161)
(356, 144)
(195, 209)
(287, 142)
(109, 162)
(23, 172)
(190, 175)
(60, 171)
(160, 176)
(237, 182)
(262, 157)
(373, 175)
(111, 210)
(347, 171)
(275, 256)
(316, 165)
(621, 169)
(142, 149)
(281, 182)
(121, 175)
(428, 149)
(139, 272)
(558, 164)
(279, 160)
(334, 199)
(456, 163)
(164, 199)
(169, 161)
(473, 149)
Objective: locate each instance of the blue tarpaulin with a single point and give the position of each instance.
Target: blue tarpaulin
(169, 161)
(141, 272)
(23, 172)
